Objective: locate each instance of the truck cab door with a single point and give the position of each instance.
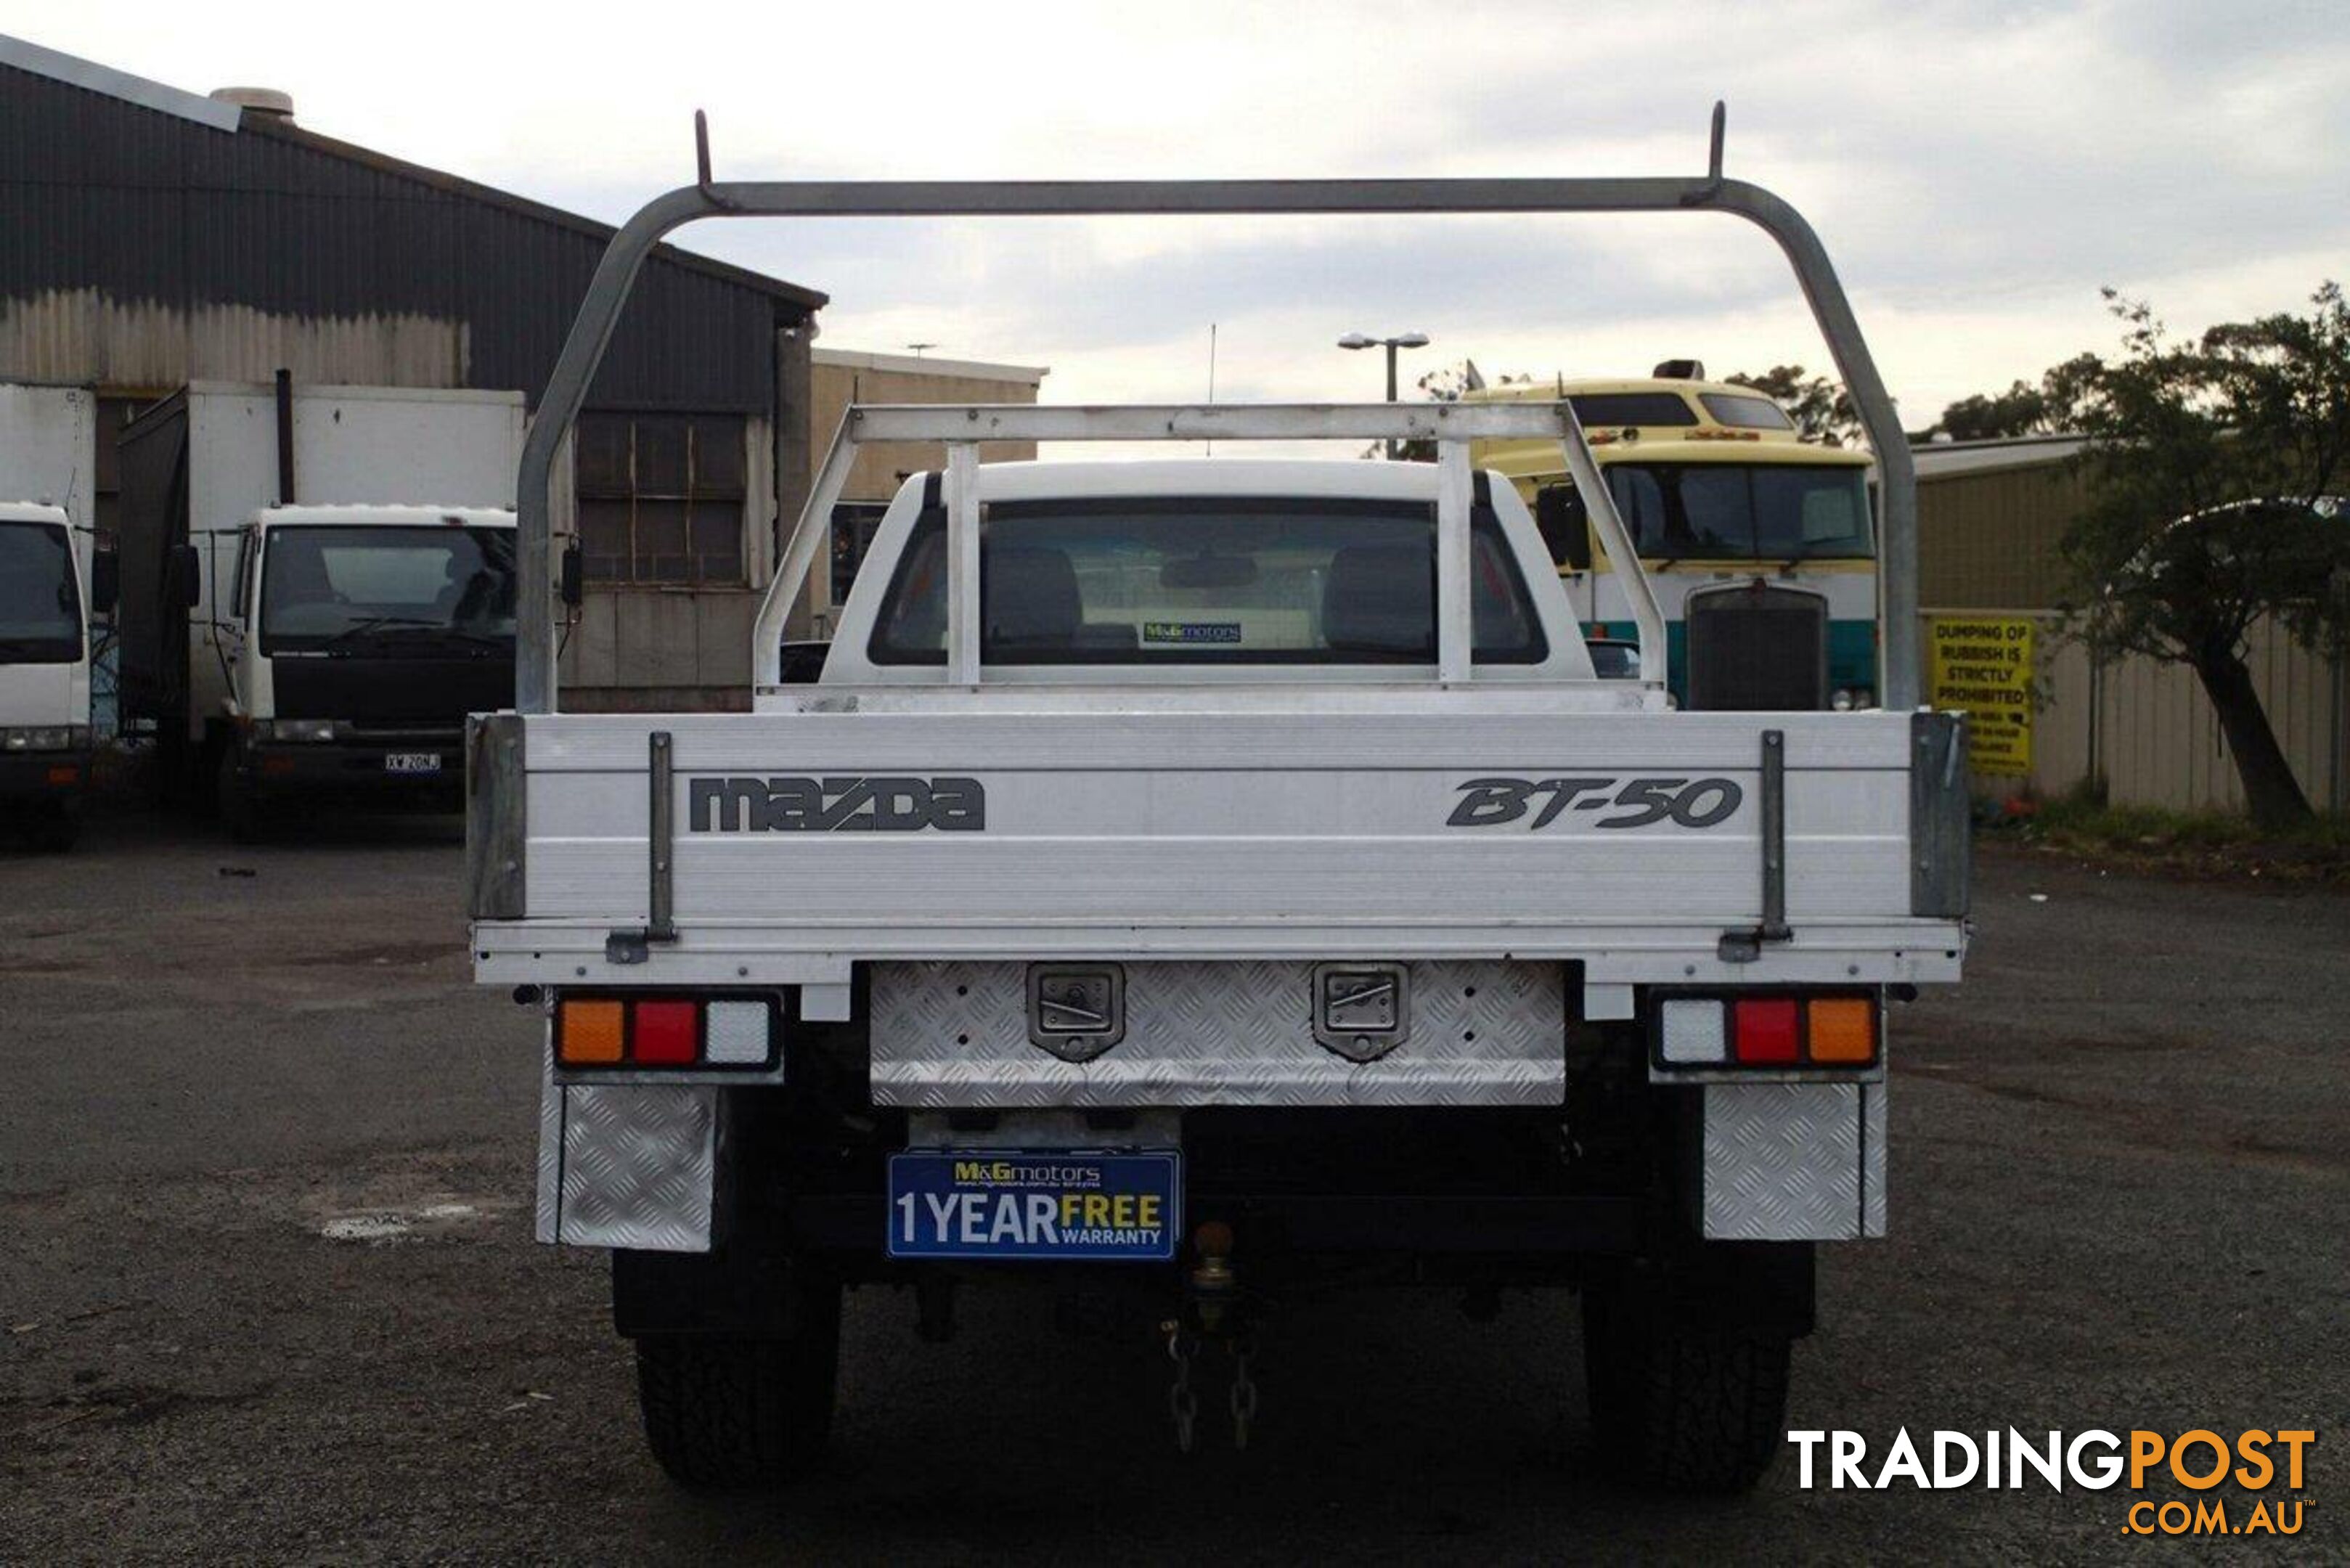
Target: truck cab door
(234, 625)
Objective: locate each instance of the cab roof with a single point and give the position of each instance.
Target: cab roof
(1703, 439)
(357, 516)
(34, 512)
(1550, 390)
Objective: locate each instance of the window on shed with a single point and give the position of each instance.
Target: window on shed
(661, 498)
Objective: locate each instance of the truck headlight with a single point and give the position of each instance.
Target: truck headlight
(1848, 699)
(297, 730)
(46, 738)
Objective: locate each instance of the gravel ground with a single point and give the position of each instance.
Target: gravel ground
(268, 1290)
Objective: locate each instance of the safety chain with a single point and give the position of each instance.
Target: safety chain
(1243, 1395)
(1181, 1402)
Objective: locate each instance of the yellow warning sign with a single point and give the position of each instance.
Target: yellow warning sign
(1983, 665)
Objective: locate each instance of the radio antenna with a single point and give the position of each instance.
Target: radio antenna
(1212, 377)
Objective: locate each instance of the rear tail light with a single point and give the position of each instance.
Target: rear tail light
(665, 1031)
(1767, 1031)
(1843, 1029)
(590, 1032)
(666, 1034)
(737, 1035)
(1691, 1033)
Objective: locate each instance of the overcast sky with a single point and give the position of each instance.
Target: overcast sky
(1976, 170)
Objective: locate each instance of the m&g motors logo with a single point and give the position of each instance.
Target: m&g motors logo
(835, 805)
(2260, 1462)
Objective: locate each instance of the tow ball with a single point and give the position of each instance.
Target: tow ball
(1212, 1310)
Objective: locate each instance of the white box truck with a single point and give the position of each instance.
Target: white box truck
(51, 582)
(1231, 874)
(318, 586)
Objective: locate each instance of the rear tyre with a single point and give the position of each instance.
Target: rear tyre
(723, 1414)
(1690, 1407)
(54, 828)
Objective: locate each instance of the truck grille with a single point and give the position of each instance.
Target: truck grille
(1756, 648)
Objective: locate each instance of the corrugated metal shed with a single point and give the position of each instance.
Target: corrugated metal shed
(150, 237)
(1990, 515)
(137, 242)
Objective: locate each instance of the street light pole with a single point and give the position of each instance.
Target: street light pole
(1400, 340)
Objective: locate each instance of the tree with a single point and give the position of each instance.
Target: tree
(2022, 409)
(2215, 463)
(1822, 408)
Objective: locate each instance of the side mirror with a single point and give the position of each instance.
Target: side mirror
(185, 578)
(1565, 526)
(104, 582)
(573, 581)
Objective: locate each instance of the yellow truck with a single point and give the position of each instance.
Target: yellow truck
(1759, 543)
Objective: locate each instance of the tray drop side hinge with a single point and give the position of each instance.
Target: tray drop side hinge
(1746, 945)
(634, 947)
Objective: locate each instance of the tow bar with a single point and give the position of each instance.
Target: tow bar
(1211, 1310)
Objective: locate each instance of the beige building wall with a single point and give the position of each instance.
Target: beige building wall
(839, 378)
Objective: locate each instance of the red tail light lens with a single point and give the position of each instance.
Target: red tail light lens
(665, 1033)
(1764, 1030)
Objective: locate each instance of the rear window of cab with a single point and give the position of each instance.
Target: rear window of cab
(1206, 580)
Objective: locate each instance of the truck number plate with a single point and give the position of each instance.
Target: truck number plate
(412, 762)
(1007, 1204)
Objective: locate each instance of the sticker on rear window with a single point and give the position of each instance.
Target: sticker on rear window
(1190, 632)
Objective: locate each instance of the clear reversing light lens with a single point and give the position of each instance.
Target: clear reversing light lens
(1691, 1032)
(736, 1034)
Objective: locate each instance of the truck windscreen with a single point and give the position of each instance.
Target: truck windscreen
(1202, 580)
(382, 592)
(1720, 511)
(40, 608)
